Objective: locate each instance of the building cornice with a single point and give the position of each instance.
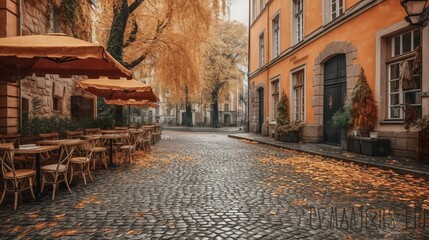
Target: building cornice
(350, 14)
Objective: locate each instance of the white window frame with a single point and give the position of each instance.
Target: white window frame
(253, 10)
(339, 6)
(275, 23)
(302, 90)
(328, 13)
(297, 21)
(261, 49)
(261, 5)
(397, 59)
(273, 94)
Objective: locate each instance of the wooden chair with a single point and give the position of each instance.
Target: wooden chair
(93, 131)
(128, 150)
(147, 140)
(14, 139)
(49, 136)
(57, 173)
(15, 180)
(74, 134)
(82, 164)
(98, 149)
(156, 134)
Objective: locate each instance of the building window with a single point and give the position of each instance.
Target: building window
(54, 20)
(261, 50)
(261, 5)
(276, 36)
(226, 107)
(336, 8)
(275, 93)
(404, 75)
(298, 95)
(58, 91)
(253, 9)
(298, 21)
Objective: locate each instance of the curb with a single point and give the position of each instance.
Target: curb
(345, 159)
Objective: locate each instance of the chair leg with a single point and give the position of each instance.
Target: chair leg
(67, 183)
(71, 174)
(83, 173)
(31, 187)
(15, 205)
(2, 196)
(54, 188)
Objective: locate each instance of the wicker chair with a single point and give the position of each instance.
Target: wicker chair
(82, 164)
(15, 180)
(56, 173)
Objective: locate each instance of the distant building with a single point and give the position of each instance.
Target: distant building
(314, 51)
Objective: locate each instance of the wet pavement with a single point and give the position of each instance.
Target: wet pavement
(205, 185)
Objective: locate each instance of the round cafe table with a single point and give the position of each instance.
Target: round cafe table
(111, 137)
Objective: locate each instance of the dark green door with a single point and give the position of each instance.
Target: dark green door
(334, 96)
(261, 109)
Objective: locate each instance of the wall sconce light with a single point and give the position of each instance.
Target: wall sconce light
(417, 12)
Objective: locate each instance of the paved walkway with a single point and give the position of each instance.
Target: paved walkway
(398, 164)
(205, 185)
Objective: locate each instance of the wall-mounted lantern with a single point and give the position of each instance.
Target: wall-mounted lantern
(417, 12)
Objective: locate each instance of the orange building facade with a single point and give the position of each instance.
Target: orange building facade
(314, 51)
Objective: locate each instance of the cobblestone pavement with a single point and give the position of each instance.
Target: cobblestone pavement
(208, 186)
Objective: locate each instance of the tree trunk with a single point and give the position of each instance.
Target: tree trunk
(188, 115)
(215, 114)
(115, 43)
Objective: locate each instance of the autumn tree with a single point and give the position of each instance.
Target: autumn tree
(142, 32)
(223, 54)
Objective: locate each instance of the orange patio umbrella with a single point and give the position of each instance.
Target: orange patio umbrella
(55, 54)
(131, 102)
(114, 89)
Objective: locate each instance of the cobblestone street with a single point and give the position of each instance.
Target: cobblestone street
(202, 185)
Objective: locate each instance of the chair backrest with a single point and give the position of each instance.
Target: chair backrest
(11, 138)
(49, 136)
(6, 158)
(74, 134)
(88, 147)
(91, 131)
(134, 137)
(66, 153)
(121, 128)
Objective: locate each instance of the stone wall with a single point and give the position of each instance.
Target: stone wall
(46, 89)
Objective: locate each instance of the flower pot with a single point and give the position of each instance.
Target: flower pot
(364, 132)
(373, 134)
(288, 137)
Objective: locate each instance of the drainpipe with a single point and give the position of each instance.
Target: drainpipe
(20, 82)
(248, 70)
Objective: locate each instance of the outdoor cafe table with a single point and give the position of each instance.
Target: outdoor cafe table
(37, 150)
(66, 142)
(111, 137)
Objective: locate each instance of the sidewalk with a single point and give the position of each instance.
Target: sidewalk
(398, 164)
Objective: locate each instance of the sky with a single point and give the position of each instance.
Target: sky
(240, 11)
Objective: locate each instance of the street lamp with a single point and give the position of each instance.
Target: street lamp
(417, 12)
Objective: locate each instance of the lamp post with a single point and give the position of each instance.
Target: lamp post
(417, 12)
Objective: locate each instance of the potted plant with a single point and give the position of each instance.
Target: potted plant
(364, 109)
(286, 131)
(423, 125)
(343, 119)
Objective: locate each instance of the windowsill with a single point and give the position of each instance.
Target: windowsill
(392, 121)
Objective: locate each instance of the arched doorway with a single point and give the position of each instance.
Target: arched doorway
(226, 120)
(334, 96)
(260, 109)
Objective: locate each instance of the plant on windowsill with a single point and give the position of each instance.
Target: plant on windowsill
(286, 131)
(364, 108)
